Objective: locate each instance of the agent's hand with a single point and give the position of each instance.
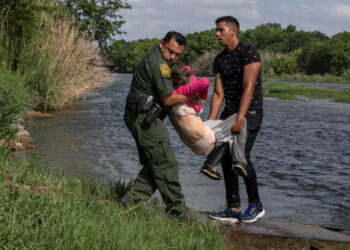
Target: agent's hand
(194, 98)
(238, 125)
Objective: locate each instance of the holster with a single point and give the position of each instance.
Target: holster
(140, 104)
(136, 103)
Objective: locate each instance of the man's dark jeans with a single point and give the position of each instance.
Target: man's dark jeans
(254, 120)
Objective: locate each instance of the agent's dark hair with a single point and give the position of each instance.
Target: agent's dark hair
(229, 21)
(181, 77)
(179, 38)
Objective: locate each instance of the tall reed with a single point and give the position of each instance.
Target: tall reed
(60, 65)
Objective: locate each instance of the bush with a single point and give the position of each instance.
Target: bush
(286, 64)
(13, 99)
(331, 56)
(8, 112)
(124, 55)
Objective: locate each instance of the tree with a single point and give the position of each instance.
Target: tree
(198, 43)
(98, 18)
(268, 36)
(330, 56)
(125, 55)
(340, 53)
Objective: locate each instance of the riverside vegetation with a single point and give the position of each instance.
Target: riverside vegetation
(291, 92)
(41, 211)
(285, 52)
(48, 61)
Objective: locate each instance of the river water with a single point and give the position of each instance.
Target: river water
(301, 155)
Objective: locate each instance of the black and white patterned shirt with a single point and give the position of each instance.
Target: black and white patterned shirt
(230, 66)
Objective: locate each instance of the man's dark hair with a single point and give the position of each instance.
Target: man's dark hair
(229, 21)
(179, 38)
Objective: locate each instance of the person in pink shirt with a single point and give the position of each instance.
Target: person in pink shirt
(189, 84)
(202, 137)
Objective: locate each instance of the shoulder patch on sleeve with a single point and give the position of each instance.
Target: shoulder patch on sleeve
(164, 70)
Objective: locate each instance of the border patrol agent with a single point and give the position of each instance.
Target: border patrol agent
(150, 93)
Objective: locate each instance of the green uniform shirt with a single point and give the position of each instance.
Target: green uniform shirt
(152, 76)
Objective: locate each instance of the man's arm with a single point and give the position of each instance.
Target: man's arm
(250, 73)
(218, 97)
(172, 99)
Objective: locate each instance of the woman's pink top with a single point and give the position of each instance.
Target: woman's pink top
(200, 87)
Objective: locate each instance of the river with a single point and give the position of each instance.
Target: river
(301, 155)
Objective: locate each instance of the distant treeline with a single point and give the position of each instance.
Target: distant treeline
(283, 51)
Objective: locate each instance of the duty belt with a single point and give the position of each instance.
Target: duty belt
(138, 104)
(141, 104)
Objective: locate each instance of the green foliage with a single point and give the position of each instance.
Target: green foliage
(31, 36)
(14, 99)
(269, 36)
(38, 77)
(331, 56)
(199, 43)
(124, 56)
(290, 92)
(39, 211)
(302, 77)
(283, 51)
(340, 53)
(22, 32)
(15, 85)
(18, 21)
(8, 111)
(98, 18)
(272, 37)
(286, 64)
(116, 190)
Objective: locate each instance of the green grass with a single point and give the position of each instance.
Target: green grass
(15, 86)
(14, 99)
(290, 92)
(40, 211)
(311, 78)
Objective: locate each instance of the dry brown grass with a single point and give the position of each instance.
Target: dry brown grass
(75, 61)
(74, 67)
(203, 64)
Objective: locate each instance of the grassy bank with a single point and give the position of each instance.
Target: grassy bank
(311, 78)
(290, 92)
(40, 211)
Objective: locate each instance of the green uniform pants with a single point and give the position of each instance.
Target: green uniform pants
(160, 169)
